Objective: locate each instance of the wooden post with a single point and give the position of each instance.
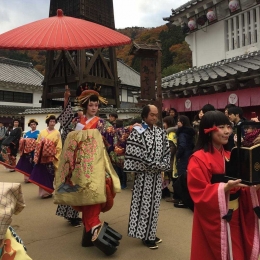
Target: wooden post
(151, 58)
(159, 81)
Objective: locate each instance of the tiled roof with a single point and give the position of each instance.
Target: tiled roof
(120, 110)
(19, 72)
(182, 8)
(128, 76)
(221, 70)
(30, 111)
(59, 110)
(137, 47)
(12, 110)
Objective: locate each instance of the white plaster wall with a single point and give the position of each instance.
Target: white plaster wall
(244, 50)
(16, 104)
(36, 97)
(123, 97)
(207, 44)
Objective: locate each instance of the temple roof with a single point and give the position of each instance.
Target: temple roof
(183, 8)
(19, 73)
(222, 70)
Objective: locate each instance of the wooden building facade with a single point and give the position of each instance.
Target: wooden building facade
(92, 65)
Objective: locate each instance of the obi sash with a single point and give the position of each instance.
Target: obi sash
(45, 151)
(26, 145)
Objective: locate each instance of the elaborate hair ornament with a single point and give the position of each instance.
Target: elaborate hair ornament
(86, 94)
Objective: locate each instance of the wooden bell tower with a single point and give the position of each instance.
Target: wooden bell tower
(90, 65)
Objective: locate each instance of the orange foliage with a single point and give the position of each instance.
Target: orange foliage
(182, 53)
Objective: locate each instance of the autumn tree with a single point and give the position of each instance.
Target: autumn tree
(181, 59)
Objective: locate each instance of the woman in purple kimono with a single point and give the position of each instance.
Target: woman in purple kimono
(27, 146)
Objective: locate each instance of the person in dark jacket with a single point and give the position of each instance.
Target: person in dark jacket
(185, 146)
(10, 146)
(185, 143)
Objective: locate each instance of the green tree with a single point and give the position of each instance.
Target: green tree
(169, 37)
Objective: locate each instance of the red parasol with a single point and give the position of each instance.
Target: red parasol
(61, 33)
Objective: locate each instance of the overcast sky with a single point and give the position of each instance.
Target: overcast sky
(128, 13)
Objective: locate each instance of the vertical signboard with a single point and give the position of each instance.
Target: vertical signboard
(148, 77)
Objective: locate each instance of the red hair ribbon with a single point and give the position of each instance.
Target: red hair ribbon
(208, 130)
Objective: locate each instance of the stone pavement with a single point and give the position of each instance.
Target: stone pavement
(48, 237)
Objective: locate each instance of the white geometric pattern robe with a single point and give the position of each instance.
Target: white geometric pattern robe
(147, 154)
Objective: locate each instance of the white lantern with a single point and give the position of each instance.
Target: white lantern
(192, 24)
(233, 5)
(211, 15)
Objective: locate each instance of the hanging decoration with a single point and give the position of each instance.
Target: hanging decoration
(202, 20)
(211, 15)
(192, 24)
(233, 5)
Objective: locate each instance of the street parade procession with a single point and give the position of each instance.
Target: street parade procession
(109, 148)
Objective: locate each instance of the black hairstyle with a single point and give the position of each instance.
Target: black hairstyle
(114, 115)
(145, 111)
(210, 119)
(173, 109)
(49, 118)
(16, 120)
(229, 106)
(185, 121)
(196, 117)
(207, 107)
(169, 121)
(119, 123)
(250, 126)
(93, 98)
(32, 121)
(236, 111)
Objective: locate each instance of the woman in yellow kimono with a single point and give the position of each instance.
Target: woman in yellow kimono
(82, 180)
(46, 158)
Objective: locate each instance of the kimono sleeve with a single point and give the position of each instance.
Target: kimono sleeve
(210, 205)
(58, 146)
(166, 155)
(204, 194)
(134, 152)
(108, 134)
(163, 164)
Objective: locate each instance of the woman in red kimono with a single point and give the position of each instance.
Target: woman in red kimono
(225, 225)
